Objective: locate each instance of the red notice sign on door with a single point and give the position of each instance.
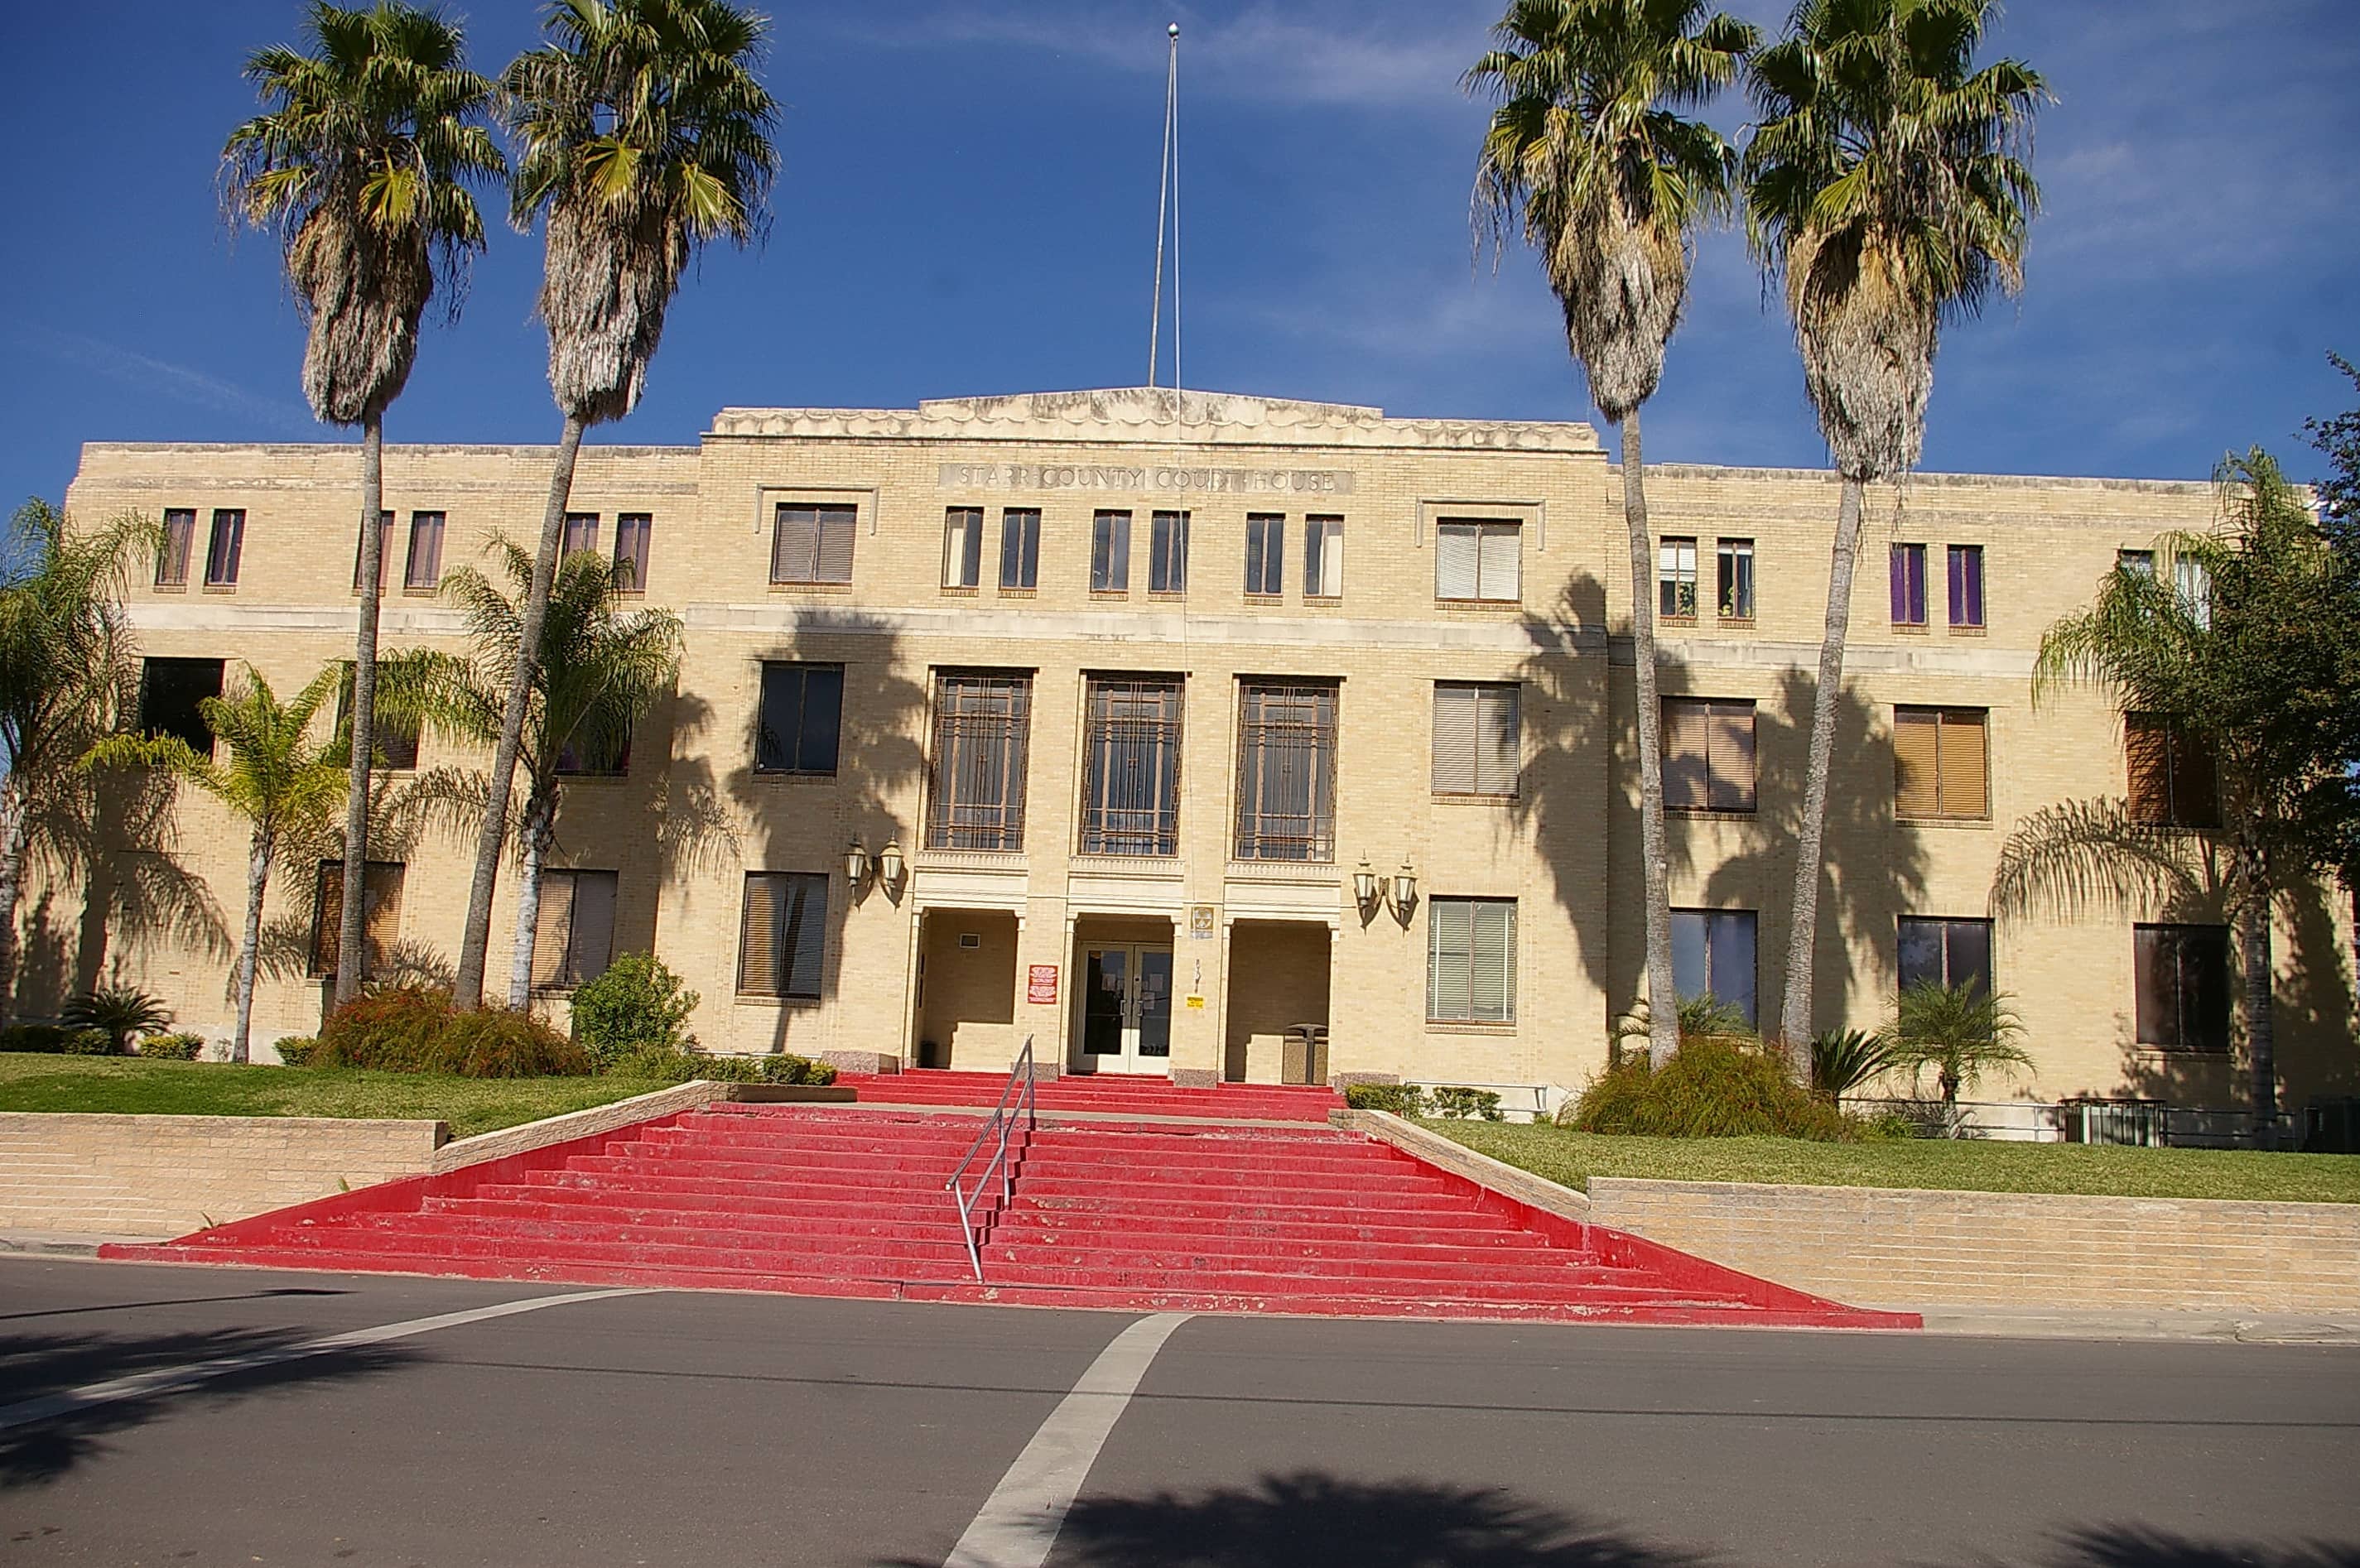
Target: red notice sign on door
(1041, 986)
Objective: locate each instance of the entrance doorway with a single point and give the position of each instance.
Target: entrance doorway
(1126, 1008)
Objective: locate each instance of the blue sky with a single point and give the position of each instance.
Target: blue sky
(967, 206)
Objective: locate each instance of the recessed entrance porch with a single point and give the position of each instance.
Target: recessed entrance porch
(1277, 1012)
(1122, 969)
(966, 990)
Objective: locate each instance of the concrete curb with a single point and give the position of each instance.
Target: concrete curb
(1497, 1176)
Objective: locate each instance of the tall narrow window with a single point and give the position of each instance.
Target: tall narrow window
(801, 710)
(1712, 955)
(976, 797)
(1945, 952)
(1131, 774)
(1168, 553)
(1265, 554)
(1477, 738)
(634, 534)
(783, 935)
(221, 552)
(2172, 781)
(811, 543)
(173, 554)
(1477, 559)
(423, 570)
(387, 553)
(1966, 585)
(581, 533)
(1323, 558)
(1707, 754)
(171, 699)
(574, 934)
(2195, 585)
(2183, 985)
(1941, 765)
(1470, 961)
(1019, 548)
(381, 915)
(961, 547)
(1734, 580)
(1287, 772)
(1908, 573)
(1676, 579)
(1110, 552)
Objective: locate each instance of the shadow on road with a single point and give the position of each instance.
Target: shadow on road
(2143, 1546)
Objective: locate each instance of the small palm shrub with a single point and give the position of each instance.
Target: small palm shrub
(1714, 1086)
(171, 1047)
(295, 1050)
(638, 1005)
(121, 1011)
(1842, 1060)
(1963, 1033)
(1401, 1099)
(418, 1031)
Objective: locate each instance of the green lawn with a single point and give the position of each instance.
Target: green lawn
(124, 1084)
(1964, 1165)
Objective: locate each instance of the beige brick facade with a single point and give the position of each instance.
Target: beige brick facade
(1256, 946)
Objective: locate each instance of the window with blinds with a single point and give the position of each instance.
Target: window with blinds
(1168, 553)
(380, 915)
(1676, 579)
(634, 535)
(1907, 583)
(1734, 579)
(1939, 766)
(801, 714)
(1477, 558)
(975, 798)
(1130, 773)
(173, 554)
(1477, 739)
(1286, 770)
(224, 550)
(1470, 964)
(1713, 955)
(422, 571)
(811, 543)
(1110, 552)
(1323, 558)
(1944, 952)
(782, 934)
(1265, 554)
(1709, 754)
(581, 534)
(387, 552)
(1019, 548)
(2172, 782)
(573, 935)
(961, 547)
(2182, 987)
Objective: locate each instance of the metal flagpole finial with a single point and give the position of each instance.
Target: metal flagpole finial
(1173, 30)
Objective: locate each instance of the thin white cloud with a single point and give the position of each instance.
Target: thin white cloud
(178, 382)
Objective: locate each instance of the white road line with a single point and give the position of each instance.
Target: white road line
(1020, 1519)
(164, 1379)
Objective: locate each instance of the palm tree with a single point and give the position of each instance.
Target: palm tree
(283, 783)
(1885, 185)
(360, 162)
(599, 672)
(645, 133)
(67, 669)
(1961, 1031)
(1588, 155)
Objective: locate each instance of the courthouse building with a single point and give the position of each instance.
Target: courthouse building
(1172, 733)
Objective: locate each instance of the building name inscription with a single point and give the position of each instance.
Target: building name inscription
(1173, 480)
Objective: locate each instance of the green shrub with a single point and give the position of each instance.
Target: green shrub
(413, 1029)
(117, 1011)
(1842, 1060)
(788, 1067)
(1401, 1099)
(43, 1039)
(172, 1047)
(296, 1049)
(1716, 1087)
(638, 1005)
(90, 1042)
(1458, 1102)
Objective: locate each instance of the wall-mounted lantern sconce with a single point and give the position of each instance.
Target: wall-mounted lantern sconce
(1364, 888)
(889, 865)
(1404, 892)
(856, 865)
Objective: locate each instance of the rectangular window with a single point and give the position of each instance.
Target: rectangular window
(1470, 961)
(1110, 553)
(1287, 772)
(581, 534)
(811, 543)
(783, 936)
(396, 739)
(573, 935)
(2183, 986)
(1478, 738)
(961, 547)
(2195, 585)
(387, 552)
(1966, 585)
(1708, 754)
(1945, 952)
(381, 915)
(634, 534)
(1323, 558)
(2137, 562)
(171, 693)
(1676, 579)
(1908, 585)
(423, 570)
(172, 556)
(583, 759)
(1735, 581)
(1168, 553)
(221, 552)
(1130, 768)
(2172, 783)
(1940, 764)
(1019, 548)
(1712, 955)
(974, 798)
(1477, 559)
(801, 712)
(1265, 554)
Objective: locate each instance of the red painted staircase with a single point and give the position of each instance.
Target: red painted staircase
(1106, 1095)
(1178, 1215)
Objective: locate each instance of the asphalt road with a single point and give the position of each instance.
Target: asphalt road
(712, 1428)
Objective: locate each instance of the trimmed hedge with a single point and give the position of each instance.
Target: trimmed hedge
(1401, 1099)
(683, 1066)
(171, 1047)
(413, 1029)
(296, 1049)
(44, 1039)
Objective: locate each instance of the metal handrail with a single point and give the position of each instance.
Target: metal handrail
(1005, 1123)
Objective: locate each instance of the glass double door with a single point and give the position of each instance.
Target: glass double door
(1127, 1009)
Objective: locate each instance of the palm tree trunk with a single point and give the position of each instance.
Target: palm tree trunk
(540, 819)
(1662, 1000)
(351, 953)
(467, 988)
(1795, 1015)
(257, 881)
(2261, 1033)
(12, 872)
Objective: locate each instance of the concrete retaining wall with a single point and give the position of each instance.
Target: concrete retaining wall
(1460, 1161)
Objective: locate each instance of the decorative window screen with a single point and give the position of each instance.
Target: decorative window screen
(811, 543)
(1168, 553)
(783, 942)
(1471, 967)
(1939, 762)
(1287, 772)
(2172, 782)
(2182, 987)
(573, 935)
(1323, 558)
(1130, 777)
(634, 534)
(961, 547)
(1477, 738)
(1709, 763)
(222, 553)
(423, 570)
(976, 798)
(1477, 559)
(1019, 548)
(1735, 585)
(1676, 579)
(1265, 554)
(381, 915)
(1110, 552)
(172, 556)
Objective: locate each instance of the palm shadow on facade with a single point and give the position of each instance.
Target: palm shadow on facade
(112, 836)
